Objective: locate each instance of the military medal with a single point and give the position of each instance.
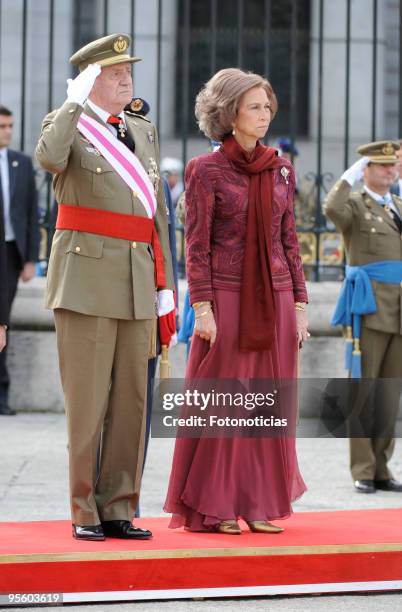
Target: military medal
(122, 130)
(150, 137)
(285, 173)
(153, 173)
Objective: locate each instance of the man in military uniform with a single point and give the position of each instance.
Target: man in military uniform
(370, 222)
(109, 254)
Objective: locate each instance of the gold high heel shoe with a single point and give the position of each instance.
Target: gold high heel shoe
(229, 527)
(263, 527)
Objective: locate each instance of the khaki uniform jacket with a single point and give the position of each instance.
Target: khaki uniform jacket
(92, 274)
(370, 235)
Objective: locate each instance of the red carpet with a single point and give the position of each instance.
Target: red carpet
(319, 552)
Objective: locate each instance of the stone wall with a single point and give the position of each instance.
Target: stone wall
(33, 362)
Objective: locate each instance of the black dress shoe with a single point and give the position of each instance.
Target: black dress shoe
(6, 410)
(365, 486)
(388, 485)
(125, 530)
(88, 532)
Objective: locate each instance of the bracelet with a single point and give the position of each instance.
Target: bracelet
(202, 314)
(198, 304)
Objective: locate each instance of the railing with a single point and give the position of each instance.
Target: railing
(275, 37)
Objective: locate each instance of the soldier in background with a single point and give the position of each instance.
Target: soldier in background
(172, 170)
(370, 222)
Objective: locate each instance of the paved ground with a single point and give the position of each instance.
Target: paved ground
(33, 486)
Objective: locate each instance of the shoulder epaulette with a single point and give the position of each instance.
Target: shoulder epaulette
(131, 114)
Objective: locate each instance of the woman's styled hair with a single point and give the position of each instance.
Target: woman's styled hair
(217, 103)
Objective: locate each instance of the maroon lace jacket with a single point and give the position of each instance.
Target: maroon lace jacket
(215, 228)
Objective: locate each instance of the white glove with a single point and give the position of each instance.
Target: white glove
(173, 341)
(78, 89)
(355, 172)
(165, 302)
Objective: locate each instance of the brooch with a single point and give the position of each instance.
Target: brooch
(285, 173)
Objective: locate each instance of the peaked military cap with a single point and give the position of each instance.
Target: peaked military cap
(380, 152)
(104, 51)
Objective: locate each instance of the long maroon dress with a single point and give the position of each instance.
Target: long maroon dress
(215, 479)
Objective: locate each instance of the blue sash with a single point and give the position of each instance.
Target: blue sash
(356, 299)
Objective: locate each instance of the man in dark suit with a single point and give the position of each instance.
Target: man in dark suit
(19, 212)
(3, 285)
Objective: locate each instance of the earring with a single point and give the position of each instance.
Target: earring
(233, 132)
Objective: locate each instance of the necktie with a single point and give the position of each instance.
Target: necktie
(387, 202)
(122, 133)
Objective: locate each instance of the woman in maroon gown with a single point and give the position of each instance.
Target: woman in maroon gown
(247, 287)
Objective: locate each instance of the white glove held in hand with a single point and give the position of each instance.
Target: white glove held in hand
(165, 302)
(355, 172)
(78, 89)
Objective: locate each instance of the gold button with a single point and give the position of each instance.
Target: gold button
(71, 110)
(373, 230)
(134, 245)
(401, 284)
(135, 194)
(98, 169)
(77, 249)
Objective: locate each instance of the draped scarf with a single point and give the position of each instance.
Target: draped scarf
(257, 304)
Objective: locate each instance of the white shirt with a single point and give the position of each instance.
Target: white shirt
(5, 187)
(104, 115)
(383, 200)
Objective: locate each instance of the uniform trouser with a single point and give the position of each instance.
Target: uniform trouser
(381, 359)
(103, 366)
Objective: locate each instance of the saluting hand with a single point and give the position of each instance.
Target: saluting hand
(355, 173)
(78, 89)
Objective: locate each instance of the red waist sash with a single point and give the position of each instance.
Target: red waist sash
(115, 225)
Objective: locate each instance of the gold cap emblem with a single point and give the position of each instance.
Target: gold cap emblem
(388, 149)
(120, 44)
